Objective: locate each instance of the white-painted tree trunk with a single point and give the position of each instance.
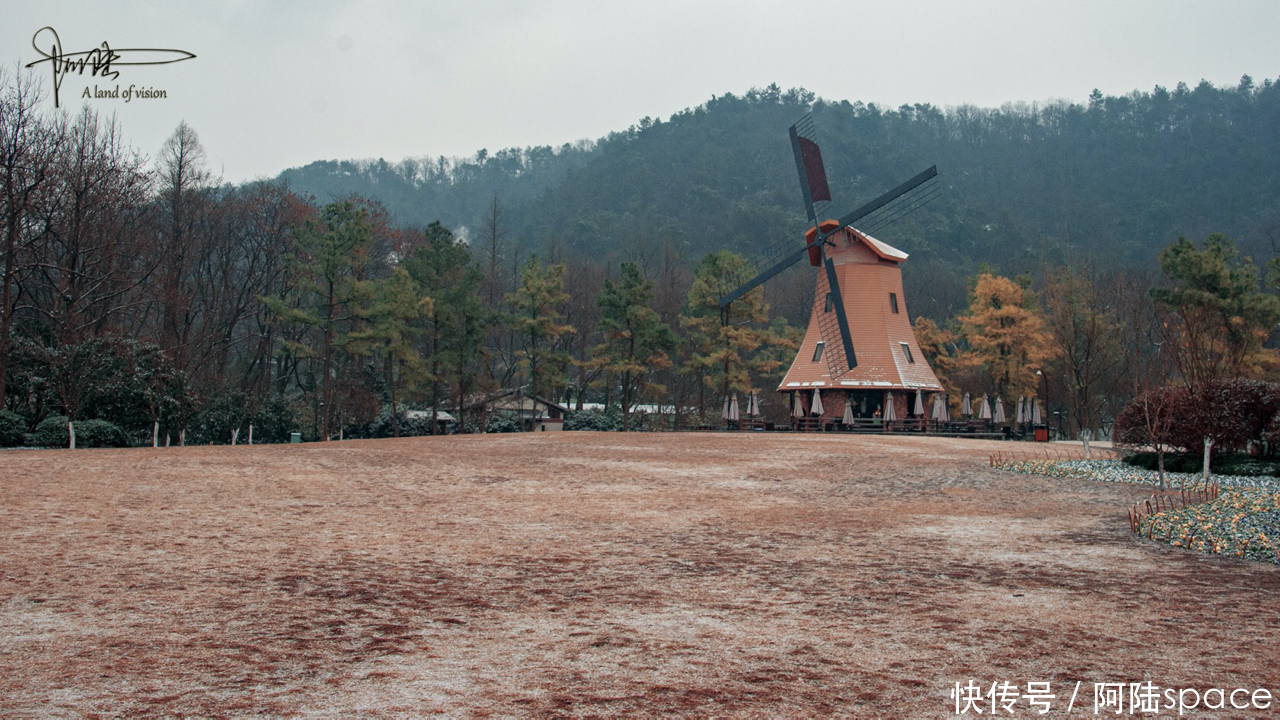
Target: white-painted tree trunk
(182, 437)
(250, 433)
(1208, 446)
(234, 434)
(155, 433)
(71, 434)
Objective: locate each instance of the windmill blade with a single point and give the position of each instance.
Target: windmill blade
(837, 341)
(903, 193)
(777, 267)
(813, 176)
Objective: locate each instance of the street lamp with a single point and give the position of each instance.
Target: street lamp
(1045, 379)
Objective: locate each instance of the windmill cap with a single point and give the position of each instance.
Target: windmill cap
(882, 249)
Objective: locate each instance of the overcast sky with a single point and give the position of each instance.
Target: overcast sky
(280, 84)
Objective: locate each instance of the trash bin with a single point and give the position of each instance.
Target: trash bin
(1042, 434)
(295, 438)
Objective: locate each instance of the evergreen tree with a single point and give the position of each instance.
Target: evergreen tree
(733, 344)
(330, 254)
(636, 341)
(1215, 317)
(536, 320)
(455, 322)
(392, 309)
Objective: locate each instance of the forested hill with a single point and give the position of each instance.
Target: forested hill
(1111, 178)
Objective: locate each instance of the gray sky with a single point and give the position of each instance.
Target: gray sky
(275, 85)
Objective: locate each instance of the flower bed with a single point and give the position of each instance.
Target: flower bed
(1243, 522)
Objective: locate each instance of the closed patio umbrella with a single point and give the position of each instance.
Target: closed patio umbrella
(984, 412)
(919, 403)
(848, 412)
(940, 409)
(1035, 411)
(724, 414)
(817, 408)
(734, 415)
(753, 405)
(998, 414)
(1022, 415)
(966, 405)
(797, 409)
(889, 412)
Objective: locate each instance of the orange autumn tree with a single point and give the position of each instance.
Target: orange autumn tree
(938, 345)
(1005, 334)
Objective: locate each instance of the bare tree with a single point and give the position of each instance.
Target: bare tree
(183, 178)
(28, 148)
(1082, 320)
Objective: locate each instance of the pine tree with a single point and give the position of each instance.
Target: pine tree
(455, 324)
(330, 253)
(636, 341)
(1215, 317)
(731, 345)
(391, 313)
(536, 320)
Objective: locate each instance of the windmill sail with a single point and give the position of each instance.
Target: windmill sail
(813, 176)
(880, 212)
(835, 337)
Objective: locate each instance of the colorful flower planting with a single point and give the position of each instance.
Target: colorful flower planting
(1244, 521)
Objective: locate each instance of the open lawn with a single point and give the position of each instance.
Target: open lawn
(594, 574)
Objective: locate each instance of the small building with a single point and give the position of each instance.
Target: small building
(535, 414)
(443, 419)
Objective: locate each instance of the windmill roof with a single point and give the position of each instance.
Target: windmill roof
(879, 247)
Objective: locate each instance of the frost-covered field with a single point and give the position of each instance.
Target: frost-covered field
(753, 574)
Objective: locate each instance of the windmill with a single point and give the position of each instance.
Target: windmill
(828, 245)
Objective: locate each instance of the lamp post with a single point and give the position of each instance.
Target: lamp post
(1045, 380)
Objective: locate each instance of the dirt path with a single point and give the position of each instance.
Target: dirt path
(593, 574)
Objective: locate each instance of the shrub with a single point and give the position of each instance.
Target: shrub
(1231, 412)
(274, 422)
(502, 423)
(99, 433)
(51, 432)
(382, 427)
(607, 420)
(1233, 464)
(12, 427)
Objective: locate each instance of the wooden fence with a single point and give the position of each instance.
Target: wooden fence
(1055, 453)
(1159, 503)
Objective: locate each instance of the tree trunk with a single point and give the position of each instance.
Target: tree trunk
(626, 402)
(6, 298)
(326, 389)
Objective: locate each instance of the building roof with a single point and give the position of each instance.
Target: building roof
(441, 416)
(883, 249)
(516, 401)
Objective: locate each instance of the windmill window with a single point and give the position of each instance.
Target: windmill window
(893, 303)
(827, 308)
(817, 351)
(907, 351)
